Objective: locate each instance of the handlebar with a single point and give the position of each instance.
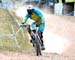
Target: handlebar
(27, 25)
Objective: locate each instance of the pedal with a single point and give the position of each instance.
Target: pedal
(31, 41)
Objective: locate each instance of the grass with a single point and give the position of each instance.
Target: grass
(8, 43)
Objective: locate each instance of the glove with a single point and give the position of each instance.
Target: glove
(22, 25)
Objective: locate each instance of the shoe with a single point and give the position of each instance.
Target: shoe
(31, 41)
(43, 47)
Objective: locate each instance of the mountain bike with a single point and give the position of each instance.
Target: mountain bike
(36, 41)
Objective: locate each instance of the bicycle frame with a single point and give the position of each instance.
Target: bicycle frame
(37, 41)
(32, 33)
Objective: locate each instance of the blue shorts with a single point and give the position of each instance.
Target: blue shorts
(41, 26)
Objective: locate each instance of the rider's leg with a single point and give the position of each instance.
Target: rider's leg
(40, 32)
(32, 29)
(32, 38)
(29, 31)
(41, 37)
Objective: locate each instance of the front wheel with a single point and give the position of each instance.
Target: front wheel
(37, 47)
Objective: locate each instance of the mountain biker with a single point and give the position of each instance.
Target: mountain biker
(38, 19)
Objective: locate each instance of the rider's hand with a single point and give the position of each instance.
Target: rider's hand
(22, 25)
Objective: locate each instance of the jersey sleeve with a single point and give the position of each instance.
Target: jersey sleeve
(25, 18)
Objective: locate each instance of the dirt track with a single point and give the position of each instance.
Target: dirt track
(25, 56)
(64, 27)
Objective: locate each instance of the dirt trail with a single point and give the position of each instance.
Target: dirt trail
(24, 56)
(60, 34)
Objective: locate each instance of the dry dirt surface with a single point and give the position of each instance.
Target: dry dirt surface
(63, 26)
(25, 56)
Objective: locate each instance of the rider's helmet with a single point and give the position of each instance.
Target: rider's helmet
(30, 9)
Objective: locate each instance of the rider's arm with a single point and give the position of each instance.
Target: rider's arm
(25, 18)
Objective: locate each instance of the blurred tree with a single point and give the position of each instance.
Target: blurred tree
(57, 1)
(0, 1)
(63, 1)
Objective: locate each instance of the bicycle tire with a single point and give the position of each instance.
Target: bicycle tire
(37, 47)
